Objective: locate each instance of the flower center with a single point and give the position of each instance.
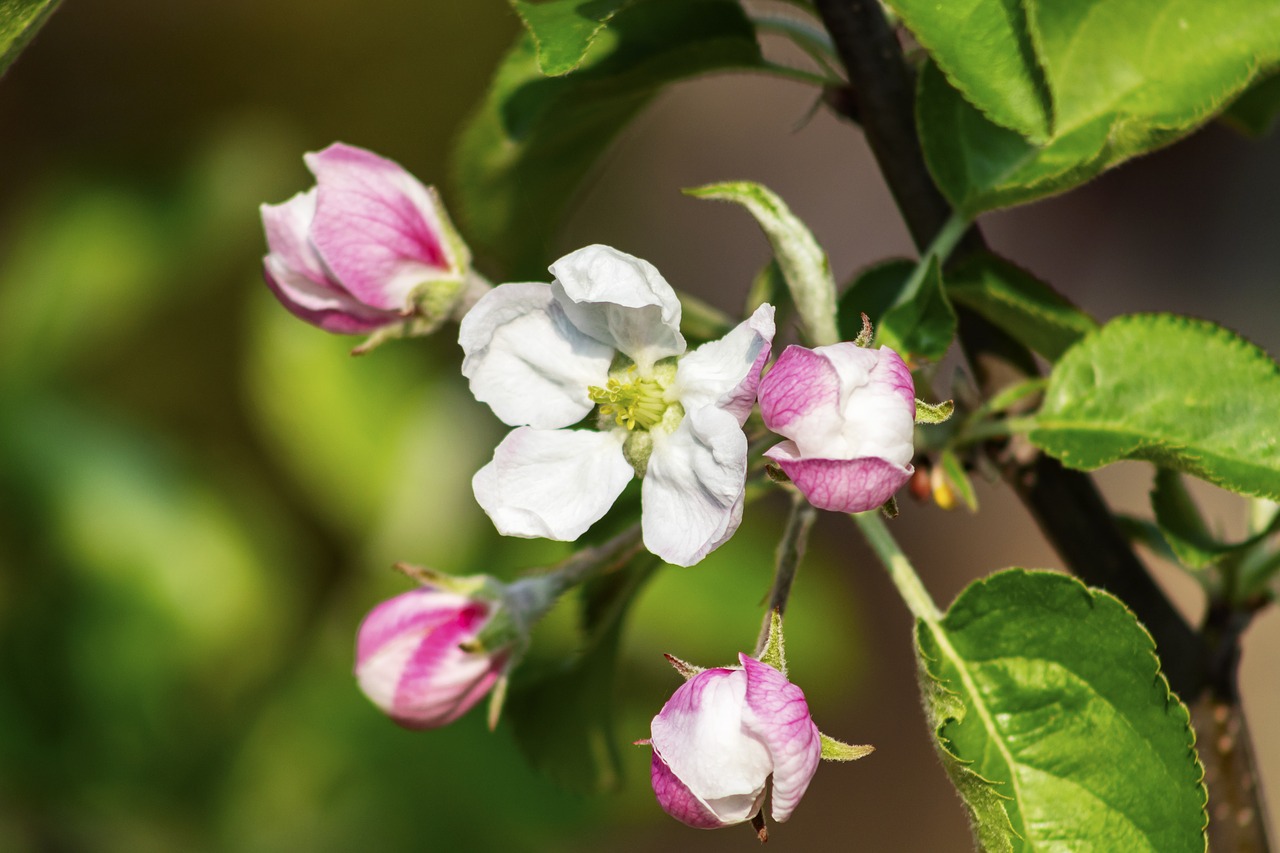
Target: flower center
(635, 402)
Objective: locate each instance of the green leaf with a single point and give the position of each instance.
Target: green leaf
(1119, 78)
(19, 21)
(1255, 111)
(1055, 723)
(1032, 312)
(921, 323)
(1183, 393)
(985, 49)
(871, 293)
(529, 145)
(563, 30)
(803, 263)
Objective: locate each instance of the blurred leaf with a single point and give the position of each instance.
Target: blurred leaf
(563, 30)
(986, 51)
(563, 721)
(1029, 310)
(19, 21)
(921, 323)
(871, 293)
(803, 263)
(527, 148)
(1118, 78)
(82, 271)
(1054, 721)
(958, 478)
(1255, 111)
(383, 444)
(1182, 393)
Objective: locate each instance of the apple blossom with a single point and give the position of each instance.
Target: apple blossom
(368, 248)
(849, 414)
(720, 737)
(605, 336)
(416, 656)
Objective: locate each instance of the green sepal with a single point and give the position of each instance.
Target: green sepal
(774, 652)
(890, 507)
(686, 669)
(934, 413)
(835, 750)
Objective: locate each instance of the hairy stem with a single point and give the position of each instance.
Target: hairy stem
(791, 550)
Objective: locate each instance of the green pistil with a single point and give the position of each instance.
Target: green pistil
(638, 402)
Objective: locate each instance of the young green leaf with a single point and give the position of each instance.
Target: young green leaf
(563, 30)
(1032, 312)
(872, 291)
(803, 263)
(1117, 76)
(1183, 528)
(1183, 393)
(1055, 723)
(19, 21)
(921, 323)
(958, 478)
(529, 145)
(984, 47)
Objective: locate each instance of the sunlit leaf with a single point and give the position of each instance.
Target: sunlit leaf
(19, 21)
(1183, 393)
(1117, 74)
(1055, 723)
(563, 30)
(801, 260)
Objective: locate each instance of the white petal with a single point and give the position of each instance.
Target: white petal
(620, 300)
(693, 488)
(726, 373)
(527, 361)
(552, 484)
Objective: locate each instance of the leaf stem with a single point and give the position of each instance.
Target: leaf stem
(791, 548)
(901, 572)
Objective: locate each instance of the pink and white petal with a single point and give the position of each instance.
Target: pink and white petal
(418, 610)
(288, 229)
(440, 682)
(891, 371)
(726, 373)
(620, 300)
(841, 485)
(527, 361)
(876, 423)
(692, 496)
(552, 484)
(677, 800)
(775, 711)
(322, 304)
(376, 226)
(799, 398)
(700, 737)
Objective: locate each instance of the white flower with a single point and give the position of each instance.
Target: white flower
(605, 336)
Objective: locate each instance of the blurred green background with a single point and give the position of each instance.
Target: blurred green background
(201, 496)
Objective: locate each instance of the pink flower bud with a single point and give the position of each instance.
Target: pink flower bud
(722, 735)
(410, 660)
(360, 250)
(849, 413)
